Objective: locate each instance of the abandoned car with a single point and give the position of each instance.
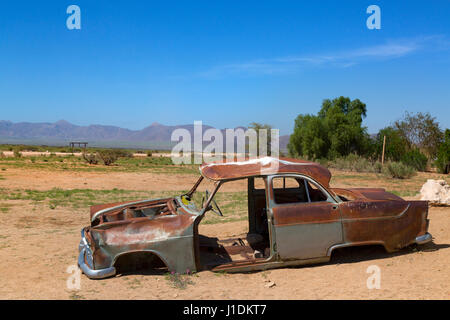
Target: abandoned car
(294, 218)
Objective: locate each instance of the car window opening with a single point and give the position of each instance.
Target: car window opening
(296, 190)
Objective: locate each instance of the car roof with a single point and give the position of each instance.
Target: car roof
(263, 166)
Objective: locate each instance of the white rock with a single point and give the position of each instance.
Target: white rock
(436, 192)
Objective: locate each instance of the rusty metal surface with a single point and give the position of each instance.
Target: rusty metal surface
(365, 193)
(298, 233)
(395, 224)
(306, 229)
(265, 166)
(166, 232)
(305, 213)
(99, 207)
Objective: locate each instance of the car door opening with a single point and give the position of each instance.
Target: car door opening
(252, 246)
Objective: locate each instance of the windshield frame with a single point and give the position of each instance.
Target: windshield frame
(191, 192)
(194, 188)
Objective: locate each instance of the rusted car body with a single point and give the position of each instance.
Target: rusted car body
(294, 218)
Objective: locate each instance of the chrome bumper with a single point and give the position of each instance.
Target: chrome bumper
(86, 263)
(424, 238)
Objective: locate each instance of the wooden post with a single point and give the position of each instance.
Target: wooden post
(384, 147)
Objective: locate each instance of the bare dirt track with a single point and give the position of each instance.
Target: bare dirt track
(46, 179)
(38, 244)
(142, 181)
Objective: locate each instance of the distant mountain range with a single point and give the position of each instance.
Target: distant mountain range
(155, 136)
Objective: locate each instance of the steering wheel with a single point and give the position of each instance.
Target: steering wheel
(213, 206)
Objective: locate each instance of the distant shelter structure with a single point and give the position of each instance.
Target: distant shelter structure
(73, 143)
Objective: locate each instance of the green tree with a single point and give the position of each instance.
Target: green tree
(309, 138)
(258, 127)
(443, 158)
(421, 131)
(335, 131)
(396, 144)
(415, 159)
(343, 118)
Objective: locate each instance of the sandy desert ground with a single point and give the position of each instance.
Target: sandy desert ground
(39, 241)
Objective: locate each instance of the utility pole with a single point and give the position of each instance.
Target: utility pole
(384, 147)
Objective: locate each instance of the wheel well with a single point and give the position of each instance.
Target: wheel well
(140, 261)
(358, 252)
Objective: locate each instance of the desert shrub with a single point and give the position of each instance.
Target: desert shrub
(149, 153)
(90, 158)
(121, 153)
(32, 148)
(362, 165)
(322, 161)
(2, 155)
(108, 156)
(442, 163)
(17, 153)
(377, 167)
(415, 159)
(352, 162)
(179, 281)
(27, 148)
(399, 170)
(161, 160)
(340, 163)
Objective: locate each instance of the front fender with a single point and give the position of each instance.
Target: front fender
(170, 237)
(176, 253)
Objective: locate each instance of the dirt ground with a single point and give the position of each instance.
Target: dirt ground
(38, 244)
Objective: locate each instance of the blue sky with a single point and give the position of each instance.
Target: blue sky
(227, 63)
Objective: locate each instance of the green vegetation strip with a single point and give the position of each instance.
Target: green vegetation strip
(232, 204)
(74, 163)
(77, 198)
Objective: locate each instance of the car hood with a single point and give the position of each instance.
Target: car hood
(111, 209)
